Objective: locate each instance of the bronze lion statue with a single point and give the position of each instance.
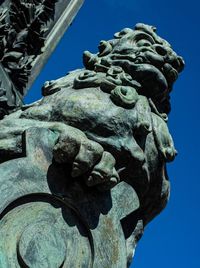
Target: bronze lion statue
(110, 123)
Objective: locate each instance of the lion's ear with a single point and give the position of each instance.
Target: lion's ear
(145, 28)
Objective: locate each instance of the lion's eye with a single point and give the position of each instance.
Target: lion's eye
(161, 50)
(144, 43)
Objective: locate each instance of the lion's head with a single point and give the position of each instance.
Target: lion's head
(144, 57)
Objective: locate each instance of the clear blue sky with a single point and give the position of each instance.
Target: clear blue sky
(172, 239)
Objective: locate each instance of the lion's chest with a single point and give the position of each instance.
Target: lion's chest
(93, 111)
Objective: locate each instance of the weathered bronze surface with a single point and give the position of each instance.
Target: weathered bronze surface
(83, 170)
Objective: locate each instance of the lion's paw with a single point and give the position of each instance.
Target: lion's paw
(88, 159)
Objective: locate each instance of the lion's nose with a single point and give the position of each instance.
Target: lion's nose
(181, 64)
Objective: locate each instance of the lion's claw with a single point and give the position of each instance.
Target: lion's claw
(89, 153)
(104, 172)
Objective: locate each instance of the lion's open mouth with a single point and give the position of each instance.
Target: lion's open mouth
(151, 78)
(150, 70)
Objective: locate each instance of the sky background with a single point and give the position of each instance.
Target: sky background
(172, 239)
